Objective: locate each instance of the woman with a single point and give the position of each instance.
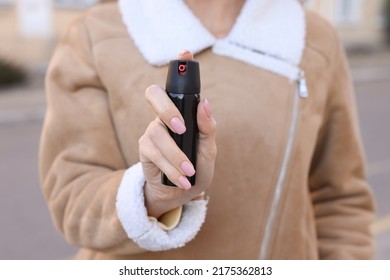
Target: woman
(288, 181)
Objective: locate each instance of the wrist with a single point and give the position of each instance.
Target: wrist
(160, 200)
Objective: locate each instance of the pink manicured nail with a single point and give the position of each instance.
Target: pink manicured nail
(207, 108)
(177, 125)
(187, 168)
(183, 181)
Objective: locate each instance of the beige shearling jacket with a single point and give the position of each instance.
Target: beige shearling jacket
(289, 178)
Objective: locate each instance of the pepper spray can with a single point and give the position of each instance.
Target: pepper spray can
(183, 88)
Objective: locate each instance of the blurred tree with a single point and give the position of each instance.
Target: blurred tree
(386, 15)
(10, 74)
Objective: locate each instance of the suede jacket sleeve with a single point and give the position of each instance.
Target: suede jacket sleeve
(90, 190)
(343, 203)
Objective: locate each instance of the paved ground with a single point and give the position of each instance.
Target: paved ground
(26, 230)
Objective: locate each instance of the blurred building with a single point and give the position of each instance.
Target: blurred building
(29, 29)
(359, 22)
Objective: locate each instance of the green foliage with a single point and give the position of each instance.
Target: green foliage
(386, 15)
(10, 74)
(386, 10)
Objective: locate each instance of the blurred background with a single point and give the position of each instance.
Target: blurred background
(29, 32)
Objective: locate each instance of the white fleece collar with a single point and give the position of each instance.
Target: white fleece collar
(269, 34)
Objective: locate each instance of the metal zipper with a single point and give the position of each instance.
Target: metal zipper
(301, 92)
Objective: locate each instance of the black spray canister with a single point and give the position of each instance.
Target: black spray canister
(183, 88)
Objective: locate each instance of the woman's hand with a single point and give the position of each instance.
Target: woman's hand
(159, 153)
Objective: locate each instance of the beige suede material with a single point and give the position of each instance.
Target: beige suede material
(170, 219)
(97, 112)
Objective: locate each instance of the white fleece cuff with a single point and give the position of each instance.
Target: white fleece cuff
(146, 233)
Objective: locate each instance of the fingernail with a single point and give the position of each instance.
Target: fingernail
(207, 108)
(187, 168)
(184, 52)
(177, 125)
(183, 181)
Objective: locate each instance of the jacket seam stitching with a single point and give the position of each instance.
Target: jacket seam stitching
(318, 51)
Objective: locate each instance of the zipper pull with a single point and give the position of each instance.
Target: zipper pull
(302, 87)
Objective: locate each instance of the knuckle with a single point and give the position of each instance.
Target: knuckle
(155, 130)
(213, 125)
(178, 157)
(155, 156)
(151, 91)
(141, 141)
(165, 113)
(213, 151)
(144, 146)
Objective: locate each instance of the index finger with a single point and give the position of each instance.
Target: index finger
(165, 109)
(163, 106)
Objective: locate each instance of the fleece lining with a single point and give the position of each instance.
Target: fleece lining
(145, 232)
(163, 29)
